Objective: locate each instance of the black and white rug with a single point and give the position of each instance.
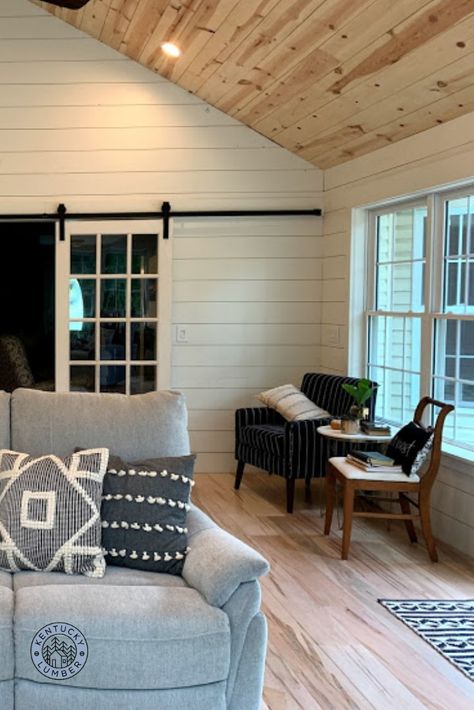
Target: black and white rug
(447, 625)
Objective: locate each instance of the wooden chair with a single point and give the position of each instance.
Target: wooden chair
(354, 479)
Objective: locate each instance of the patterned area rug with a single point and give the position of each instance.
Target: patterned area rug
(447, 625)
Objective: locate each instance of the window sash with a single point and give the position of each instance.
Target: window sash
(436, 257)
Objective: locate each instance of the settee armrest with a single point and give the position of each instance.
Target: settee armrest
(218, 563)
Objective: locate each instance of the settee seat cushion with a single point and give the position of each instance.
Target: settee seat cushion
(141, 637)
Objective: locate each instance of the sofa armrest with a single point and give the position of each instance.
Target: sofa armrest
(217, 562)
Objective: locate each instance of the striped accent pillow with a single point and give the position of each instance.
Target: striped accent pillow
(291, 403)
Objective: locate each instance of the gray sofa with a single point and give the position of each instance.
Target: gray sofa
(155, 641)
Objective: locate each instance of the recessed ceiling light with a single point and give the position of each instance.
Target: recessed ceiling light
(171, 49)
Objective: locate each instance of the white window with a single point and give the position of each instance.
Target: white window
(420, 309)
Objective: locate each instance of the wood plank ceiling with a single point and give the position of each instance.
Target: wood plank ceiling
(328, 79)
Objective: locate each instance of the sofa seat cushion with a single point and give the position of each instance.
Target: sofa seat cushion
(266, 437)
(114, 576)
(138, 637)
(6, 580)
(6, 636)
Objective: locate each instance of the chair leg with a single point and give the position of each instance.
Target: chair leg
(290, 494)
(405, 506)
(238, 474)
(347, 524)
(307, 492)
(330, 501)
(426, 528)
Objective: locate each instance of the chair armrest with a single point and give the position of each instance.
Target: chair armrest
(257, 415)
(218, 563)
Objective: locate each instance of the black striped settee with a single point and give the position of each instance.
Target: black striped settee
(263, 438)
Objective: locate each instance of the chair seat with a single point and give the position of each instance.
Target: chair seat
(267, 437)
(354, 473)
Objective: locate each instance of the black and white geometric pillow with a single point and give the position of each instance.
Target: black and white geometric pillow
(144, 511)
(410, 446)
(50, 512)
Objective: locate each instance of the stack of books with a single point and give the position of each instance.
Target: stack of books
(372, 428)
(373, 461)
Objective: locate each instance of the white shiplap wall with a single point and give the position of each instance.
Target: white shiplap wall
(81, 124)
(436, 158)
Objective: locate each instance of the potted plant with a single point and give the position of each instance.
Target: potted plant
(361, 392)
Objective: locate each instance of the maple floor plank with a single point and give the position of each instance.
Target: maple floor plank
(331, 644)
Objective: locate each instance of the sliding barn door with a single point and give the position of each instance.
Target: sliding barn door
(113, 307)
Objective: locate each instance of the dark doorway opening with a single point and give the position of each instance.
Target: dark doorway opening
(27, 293)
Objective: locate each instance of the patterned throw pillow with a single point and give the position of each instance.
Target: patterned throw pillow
(410, 447)
(144, 512)
(50, 512)
(291, 403)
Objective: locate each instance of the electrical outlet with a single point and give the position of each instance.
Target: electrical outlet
(181, 334)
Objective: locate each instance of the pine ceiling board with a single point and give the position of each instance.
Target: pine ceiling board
(94, 17)
(193, 33)
(269, 50)
(442, 111)
(179, 24)
(117, 22)
(385, 14)
(193, 64)
(245, 15)
(395, 80)
(146, 17)
(271, 69)
(424, 92)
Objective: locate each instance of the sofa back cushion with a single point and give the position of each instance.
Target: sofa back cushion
(132, 426)
(326, 391)
(4, 420)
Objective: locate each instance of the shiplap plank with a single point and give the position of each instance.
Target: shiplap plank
(131, 137)
(261, 377)
(248, 269)
(177, 160)
(230, 291)
(15, 9)
(256, 355)
(249, 227)
(219, 399)
(256, 247)
(214, 463)
(90, 95)
(280, 312)
(97, 117)
(79, 48)
(251, 334)
(117, 70)
(208, 420)
(334, 313)
(220, 442)
(38, 27)
(106, 183)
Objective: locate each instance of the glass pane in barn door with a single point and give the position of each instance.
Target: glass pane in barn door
(113, 307)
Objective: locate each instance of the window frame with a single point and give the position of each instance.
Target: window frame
(436, 236)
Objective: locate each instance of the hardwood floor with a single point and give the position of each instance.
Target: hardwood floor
(331, 645)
